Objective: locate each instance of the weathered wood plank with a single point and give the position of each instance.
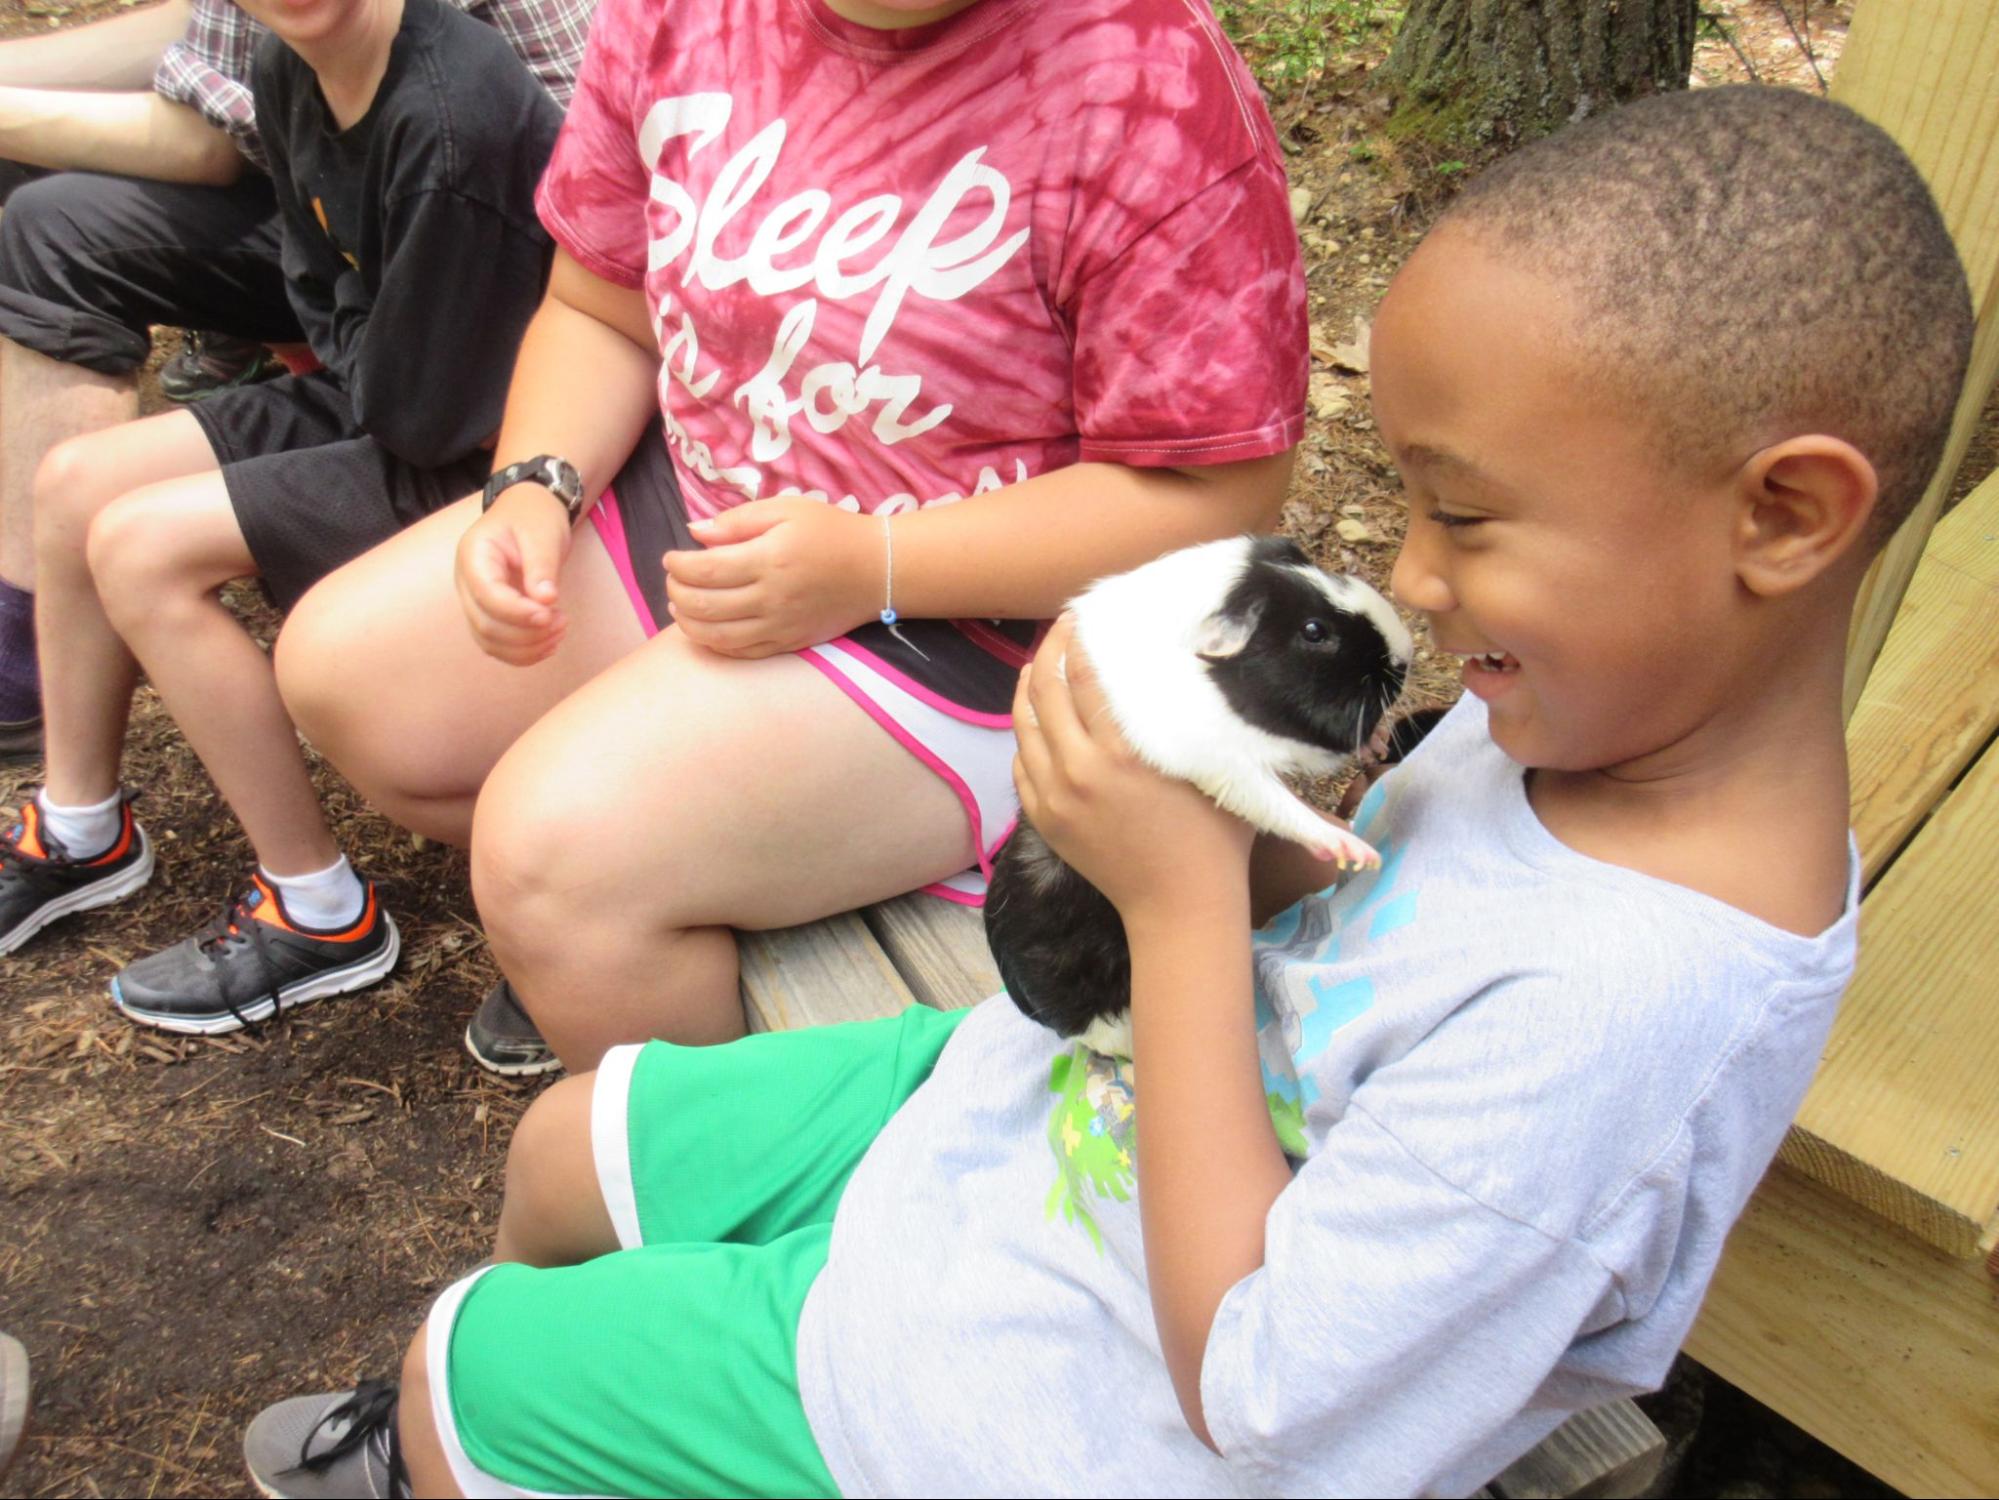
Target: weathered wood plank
(1928, 74)
(1609, 1451)
(818, 974)
(938, 947)
(1903, 1116)
(1932, 701)
(1872, 1341)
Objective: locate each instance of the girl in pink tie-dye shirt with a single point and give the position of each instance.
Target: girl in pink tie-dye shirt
(891, 327)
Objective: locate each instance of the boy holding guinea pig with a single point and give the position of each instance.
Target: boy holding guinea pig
(1434, 1157)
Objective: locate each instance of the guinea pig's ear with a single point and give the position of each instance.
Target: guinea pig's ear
(1225, 632)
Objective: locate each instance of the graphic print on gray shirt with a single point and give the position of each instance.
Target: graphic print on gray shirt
(1528, 1093)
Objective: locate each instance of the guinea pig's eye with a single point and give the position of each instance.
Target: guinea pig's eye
(1314, 631)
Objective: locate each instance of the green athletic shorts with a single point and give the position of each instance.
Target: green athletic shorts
(670, 1367)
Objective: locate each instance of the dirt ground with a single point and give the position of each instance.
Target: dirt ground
(189, 1230)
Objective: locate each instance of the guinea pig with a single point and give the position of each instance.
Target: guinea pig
(1227, 665)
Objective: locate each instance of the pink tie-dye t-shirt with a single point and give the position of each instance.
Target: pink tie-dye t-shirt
(898, 268)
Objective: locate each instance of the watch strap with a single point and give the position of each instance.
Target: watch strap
(556, 475)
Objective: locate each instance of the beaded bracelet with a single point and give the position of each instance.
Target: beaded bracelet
(888, 615)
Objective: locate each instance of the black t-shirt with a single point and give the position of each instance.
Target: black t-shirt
(411, 249)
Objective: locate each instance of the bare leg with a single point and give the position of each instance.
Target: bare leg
(43, 402)
(423, 1452)
(553, 1213)
(381, 673)
(158, 555)
(87, 672)
(677, 795)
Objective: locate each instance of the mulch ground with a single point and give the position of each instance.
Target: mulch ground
(191, 1229)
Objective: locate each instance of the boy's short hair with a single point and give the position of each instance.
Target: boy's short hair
(1756, 258)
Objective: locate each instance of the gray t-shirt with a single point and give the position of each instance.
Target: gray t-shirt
(1528, 1091)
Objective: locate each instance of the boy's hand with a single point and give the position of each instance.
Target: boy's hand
(777, 575)
(1148, 842)
(508, 562)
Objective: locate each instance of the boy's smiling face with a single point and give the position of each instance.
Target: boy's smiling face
(1591, 587)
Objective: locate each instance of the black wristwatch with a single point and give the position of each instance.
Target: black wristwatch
(557, 475)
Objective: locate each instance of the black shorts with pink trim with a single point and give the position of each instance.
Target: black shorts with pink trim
(942, 688)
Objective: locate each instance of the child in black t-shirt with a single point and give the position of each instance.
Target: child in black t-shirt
(405, 141)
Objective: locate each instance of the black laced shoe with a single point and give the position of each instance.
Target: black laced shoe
(251, 962)
(39, 882)
(211, 362)
(502, 1037)
(325, 1446)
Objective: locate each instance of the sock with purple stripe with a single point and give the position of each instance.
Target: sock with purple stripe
(20, 677)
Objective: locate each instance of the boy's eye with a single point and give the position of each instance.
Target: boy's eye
(1450, 521)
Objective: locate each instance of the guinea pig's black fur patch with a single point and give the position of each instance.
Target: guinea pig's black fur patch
(1307, 673)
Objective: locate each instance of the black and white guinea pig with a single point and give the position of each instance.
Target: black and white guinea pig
(1227, 665)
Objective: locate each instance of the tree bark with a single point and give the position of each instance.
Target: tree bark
(1504, 70)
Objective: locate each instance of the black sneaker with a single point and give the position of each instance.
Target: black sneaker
(337, 1445)
(211, 362)
(503, 1040)
(250, 963)
(20, 739)
(39, 882)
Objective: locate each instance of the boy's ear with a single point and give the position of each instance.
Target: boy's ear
(1805, 503)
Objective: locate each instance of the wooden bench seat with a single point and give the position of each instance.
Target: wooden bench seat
(1860, 1294)
(921, 950)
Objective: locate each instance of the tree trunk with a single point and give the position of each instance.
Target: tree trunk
(1505, 70)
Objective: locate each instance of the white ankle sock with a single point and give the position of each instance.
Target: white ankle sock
(327, 899)
(83, 832)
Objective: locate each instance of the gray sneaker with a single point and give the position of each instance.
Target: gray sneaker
(326, 1446)
(13, 1397)
(502, 1039)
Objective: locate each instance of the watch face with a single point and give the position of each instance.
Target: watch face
(562, 478)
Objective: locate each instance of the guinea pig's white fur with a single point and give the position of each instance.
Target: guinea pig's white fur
(1145, 633)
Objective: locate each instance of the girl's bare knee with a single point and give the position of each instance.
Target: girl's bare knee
(519, 850)
(309, 664)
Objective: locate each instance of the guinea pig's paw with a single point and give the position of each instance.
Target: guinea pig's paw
(1347, 851)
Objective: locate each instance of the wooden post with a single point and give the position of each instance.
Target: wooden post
(1928, 74)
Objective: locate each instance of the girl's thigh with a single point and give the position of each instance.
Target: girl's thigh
(380, 670)
(701, 790)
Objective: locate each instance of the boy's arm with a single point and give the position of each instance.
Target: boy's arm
(425, 360)
(1210, 1165)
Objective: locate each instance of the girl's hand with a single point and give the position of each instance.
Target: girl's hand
(777, 575)
(506, 570)
(1148, 842)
